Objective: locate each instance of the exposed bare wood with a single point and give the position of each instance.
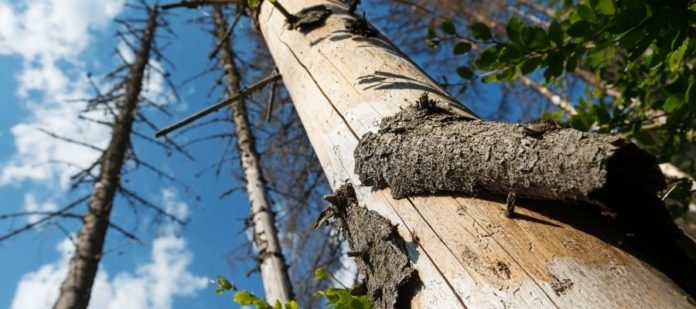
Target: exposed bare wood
(467, 253)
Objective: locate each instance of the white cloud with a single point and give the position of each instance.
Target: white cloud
(151, 285)
(46, 160)
(46, 34)
(349, 269)
(31, 205)
(29, 28)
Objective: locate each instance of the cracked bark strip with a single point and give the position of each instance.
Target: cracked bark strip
(378, 249)
(425, 150)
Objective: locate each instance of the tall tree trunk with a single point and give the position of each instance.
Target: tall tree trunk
(465, 251)
(276, 281)
(77, 285)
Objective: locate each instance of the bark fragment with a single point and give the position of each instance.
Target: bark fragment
(310, 18)
(389, 277)
(426, 150)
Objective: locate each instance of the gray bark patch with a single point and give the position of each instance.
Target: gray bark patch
(310, 18)
(378, 249)
(426, 150)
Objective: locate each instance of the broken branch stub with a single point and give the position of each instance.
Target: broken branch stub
(426, 150)
(378, 249)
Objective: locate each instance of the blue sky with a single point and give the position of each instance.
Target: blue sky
(45, 48)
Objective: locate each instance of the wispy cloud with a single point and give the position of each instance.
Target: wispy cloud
(50, 36)
(151, 285)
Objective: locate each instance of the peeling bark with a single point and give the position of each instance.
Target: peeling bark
(276, 281)
(379, 251)
(343, 84)
(425, 150)
(76, 288)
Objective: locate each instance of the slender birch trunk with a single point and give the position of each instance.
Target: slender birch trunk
(77, 286)
(467, 253)
(276, 281)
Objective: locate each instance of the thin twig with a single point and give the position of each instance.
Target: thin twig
(245, 92)
(271, 100)
(42, 220)
(227, 35)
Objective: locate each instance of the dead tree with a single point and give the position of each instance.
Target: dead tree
(76, 288)
(276, 281)
(448, 246)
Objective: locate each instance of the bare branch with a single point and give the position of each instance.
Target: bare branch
(69, 140)
(31, 225)
(142, 201)
(192, 4)
(227, 35)
(245, 92)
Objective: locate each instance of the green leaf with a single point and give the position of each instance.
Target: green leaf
(431, 39)
(673, 103)
(462, 47)
(530, 65)
(514, 29)
(584, 11)
(244, 298)
(604, 7)
(487, 58)
(602, 114)
(465, 72)
(480, 31)
(260, 304)
(645, 138)
(580, 29)
(631, 38)
(535, 38)
(627, 20)
(491, 78)
(674, 59)
(223, 284)
(292, 305)
(555, 66)
(690, 96)
(333, 295)
(448, 27)
(462, 88)
(556, 33)
(510, 54)
(321, 274)
(253, 3)
(509, 74)
(578, 122)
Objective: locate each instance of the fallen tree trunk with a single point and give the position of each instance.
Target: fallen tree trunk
(466, 253)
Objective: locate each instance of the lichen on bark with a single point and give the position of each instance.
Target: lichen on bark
(378, 249)
(426, 150)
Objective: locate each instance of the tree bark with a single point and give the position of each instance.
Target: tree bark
(76, 288)
(276, 281)
(465, 251)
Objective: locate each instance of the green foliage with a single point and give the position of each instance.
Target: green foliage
(223, 284)
(321, 274)
(254, 3)
(342, 299)
(643, 51)
(480, 32)
(339, 298)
